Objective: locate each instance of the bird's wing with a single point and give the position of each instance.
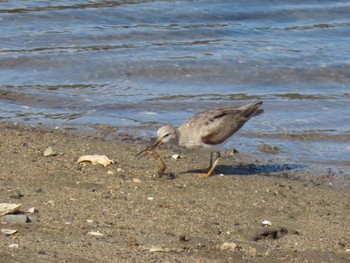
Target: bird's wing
(216, 126)
(221, 126)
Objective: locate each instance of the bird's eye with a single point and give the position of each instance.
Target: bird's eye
(166, 135)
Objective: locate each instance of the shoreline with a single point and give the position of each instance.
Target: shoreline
(145, 218)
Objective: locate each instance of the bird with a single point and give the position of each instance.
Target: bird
(208, 130)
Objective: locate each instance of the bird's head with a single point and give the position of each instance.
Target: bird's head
(165, 134)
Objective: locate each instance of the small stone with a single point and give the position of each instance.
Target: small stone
(15, 219)
(228, 246)
(95, 233)
(136, 180)
(13, 246)
(109, 172)
(49, 152)
(15, 194)
(264, 147)
(120, 170)
(184, 238)
(34, 217)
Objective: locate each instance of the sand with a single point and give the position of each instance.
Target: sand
(125, 213)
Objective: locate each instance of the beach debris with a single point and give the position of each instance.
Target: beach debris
(160, 249)
(109, 172)
(151, 152)
(95, 233)
(266, 223)
(33, 217)
(264, 147)
(120, 170)
(15, 219)
(96, 159)
(8, 231)
(15, 194)
(14, 245)
(7, 208)
(176, 156)
(136, 180)
(49, 152)
(150, 198)
(50, 202)
(228, 246)
(32, 210)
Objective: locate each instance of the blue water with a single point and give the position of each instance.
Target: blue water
(139, 64)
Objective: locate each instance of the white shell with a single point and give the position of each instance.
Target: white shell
(8, 231)
(95, 233)
(7, 208)
(266, 223)
(96, 159)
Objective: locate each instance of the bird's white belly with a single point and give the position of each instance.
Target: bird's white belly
(213, 148)
(202, 146)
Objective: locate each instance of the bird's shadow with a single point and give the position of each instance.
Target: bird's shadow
(250, 169)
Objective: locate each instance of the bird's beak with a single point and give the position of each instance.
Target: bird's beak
(158, 142)
(144, 151)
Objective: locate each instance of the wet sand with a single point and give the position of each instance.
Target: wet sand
(179, 217)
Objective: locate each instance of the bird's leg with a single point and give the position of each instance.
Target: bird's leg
(211, 160)
(212, 167)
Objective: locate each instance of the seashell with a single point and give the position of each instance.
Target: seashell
(176, 156)
(95, 233)
(96, 159)
(8, 231)
(6, 208)
(266, 223)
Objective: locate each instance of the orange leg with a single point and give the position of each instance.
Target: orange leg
(211, 170)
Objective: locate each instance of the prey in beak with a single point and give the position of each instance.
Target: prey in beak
(149, 149)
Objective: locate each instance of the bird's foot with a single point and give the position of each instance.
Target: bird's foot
(211, 170)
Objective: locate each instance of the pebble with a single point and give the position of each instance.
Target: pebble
(264, 147)
(34, 217)
(49, 152)
(13, 246)
(15, 219)
(228, 246)
(15, 194)
(95, 233)
(136, 180)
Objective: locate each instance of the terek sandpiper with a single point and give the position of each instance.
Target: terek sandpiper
(208, 130)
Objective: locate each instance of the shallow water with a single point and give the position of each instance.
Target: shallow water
(139, 64)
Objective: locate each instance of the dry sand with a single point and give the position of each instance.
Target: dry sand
(175, 218)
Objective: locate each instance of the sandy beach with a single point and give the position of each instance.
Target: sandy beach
(123, 213)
